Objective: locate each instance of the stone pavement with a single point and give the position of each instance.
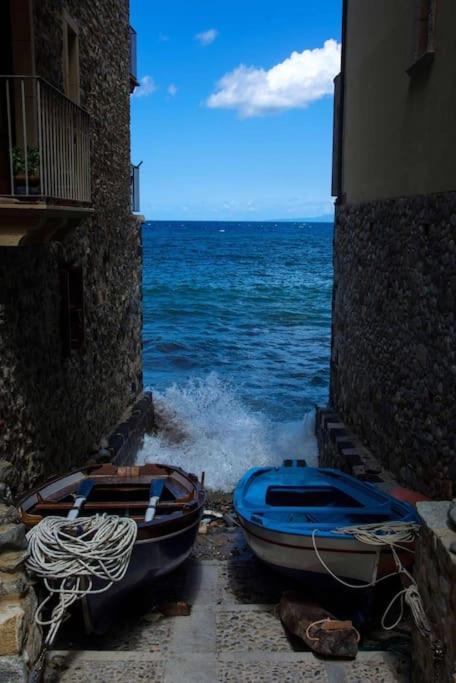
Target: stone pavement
(232, 635)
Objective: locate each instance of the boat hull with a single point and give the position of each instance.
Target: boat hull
(294, 554)
(150, 559)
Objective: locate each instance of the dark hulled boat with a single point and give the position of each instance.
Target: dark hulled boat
(165, 502)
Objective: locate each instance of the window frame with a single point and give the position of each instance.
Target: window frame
(72, 309)
(70, 59)
(424, 36)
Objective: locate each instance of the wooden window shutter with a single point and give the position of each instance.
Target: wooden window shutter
(72, 309)
(424, 39)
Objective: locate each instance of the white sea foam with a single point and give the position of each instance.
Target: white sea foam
(203, 425)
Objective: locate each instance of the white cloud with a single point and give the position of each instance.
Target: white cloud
(147, 86)
(207, 37)
(299, 80)
(172, 89)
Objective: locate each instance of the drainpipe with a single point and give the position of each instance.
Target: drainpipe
(340, 199)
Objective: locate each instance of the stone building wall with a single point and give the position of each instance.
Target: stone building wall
(393, 364)
(20, 636)
(434, 658)
(340, 448)
(53, 410)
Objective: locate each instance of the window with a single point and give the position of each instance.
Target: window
(425, 27)
(424, 35)
(71, 83)
(72, 308)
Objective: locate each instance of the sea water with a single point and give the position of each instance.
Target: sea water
(236, 342)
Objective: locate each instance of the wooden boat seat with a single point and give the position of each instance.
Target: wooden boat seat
(106, 484)
(125, 487)
(114, 504)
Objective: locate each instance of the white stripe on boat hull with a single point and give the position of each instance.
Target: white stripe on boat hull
(347, 558)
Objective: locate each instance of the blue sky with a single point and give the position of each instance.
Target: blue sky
(229, 125)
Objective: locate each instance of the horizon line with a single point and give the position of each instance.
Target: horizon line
(239, 220)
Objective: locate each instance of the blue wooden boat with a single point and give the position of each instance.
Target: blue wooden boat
(289, 512)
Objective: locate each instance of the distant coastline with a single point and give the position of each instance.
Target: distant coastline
(318, 219)
(328, 218)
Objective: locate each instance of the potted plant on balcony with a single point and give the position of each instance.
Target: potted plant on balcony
(33, 169)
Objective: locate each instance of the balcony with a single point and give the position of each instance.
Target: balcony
(44, 161)
(133, 60)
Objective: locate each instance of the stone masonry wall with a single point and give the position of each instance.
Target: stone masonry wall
(53, 410)
(393, 365)
(433, 657)
(20, 636)
(340, 448)
(435, 574)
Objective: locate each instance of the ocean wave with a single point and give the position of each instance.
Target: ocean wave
(203, 425)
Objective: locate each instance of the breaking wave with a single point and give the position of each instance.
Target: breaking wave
(203, 425)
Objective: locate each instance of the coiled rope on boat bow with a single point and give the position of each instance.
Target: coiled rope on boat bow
(69, 554)
(387, 533)
(393, 535)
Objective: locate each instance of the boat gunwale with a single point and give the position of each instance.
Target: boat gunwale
(342, 481)
(326, 530)
(194, 505)
(336, 537)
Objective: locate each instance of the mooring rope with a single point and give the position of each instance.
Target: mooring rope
(328, 620)
(393, 535)
(69, 554)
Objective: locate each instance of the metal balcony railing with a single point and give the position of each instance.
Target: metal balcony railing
(44, 142)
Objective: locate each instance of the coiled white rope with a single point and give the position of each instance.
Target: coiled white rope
(392, 534)
(388, 533)
(69, 554)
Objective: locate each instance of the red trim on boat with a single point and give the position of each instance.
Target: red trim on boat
(306, 547)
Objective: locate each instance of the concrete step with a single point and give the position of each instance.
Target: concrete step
(231, 635)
